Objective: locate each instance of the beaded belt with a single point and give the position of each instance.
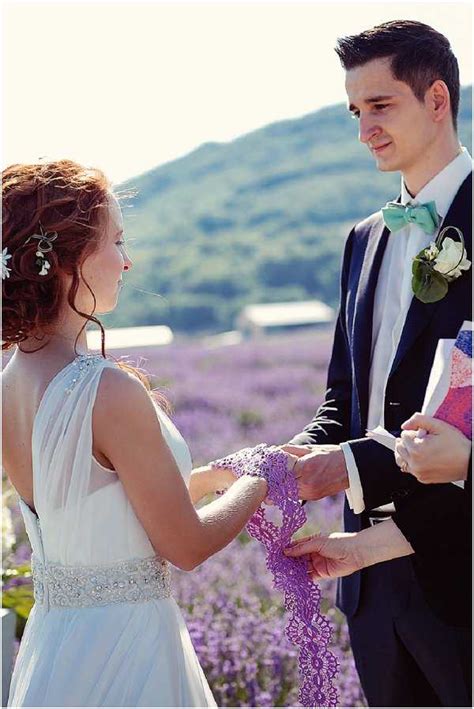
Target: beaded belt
(131, 581)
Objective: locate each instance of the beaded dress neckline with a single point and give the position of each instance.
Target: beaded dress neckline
(76, 362)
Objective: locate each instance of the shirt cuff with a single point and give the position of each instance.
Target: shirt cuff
(354, 494)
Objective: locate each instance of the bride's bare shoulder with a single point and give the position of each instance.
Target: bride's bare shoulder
(123, 412)
(8, 378)
(117, 381)
(119, 390)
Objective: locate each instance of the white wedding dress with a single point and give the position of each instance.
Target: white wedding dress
(104, 629)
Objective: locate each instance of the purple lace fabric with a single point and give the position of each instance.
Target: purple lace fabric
(306, 628)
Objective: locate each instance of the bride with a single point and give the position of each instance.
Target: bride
(105, 480)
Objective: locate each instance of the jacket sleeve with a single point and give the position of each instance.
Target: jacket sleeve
(378, 489)
(436, 520)
(437, 524)
(468, 483)
(381, 479)
(331, 421)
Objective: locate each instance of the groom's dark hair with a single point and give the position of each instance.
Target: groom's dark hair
(419, 56)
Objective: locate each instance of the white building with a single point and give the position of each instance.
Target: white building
(129, 337)
(257, 320)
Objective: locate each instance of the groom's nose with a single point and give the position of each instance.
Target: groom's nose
(367, 129)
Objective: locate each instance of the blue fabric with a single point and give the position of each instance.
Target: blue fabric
(396, 216)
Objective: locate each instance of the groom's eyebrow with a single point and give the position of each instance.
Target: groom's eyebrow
(372, 99)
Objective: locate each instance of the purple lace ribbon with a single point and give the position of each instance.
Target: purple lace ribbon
(306, 628)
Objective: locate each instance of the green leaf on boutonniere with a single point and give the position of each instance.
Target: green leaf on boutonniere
(428, 285)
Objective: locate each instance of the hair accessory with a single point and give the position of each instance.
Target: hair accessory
(5, 269)
(44, 246)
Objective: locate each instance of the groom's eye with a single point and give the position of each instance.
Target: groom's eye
(355, 115)
(380, 106)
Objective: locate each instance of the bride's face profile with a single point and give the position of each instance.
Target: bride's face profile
(103, 269)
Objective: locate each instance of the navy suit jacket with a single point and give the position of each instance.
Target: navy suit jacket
(348, 379)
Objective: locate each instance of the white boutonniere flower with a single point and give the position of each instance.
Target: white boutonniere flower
(5, 269)
(438, 265)
(451, 259)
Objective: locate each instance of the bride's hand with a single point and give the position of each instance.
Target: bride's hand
(329, 556)
(207, 480)
(224, 478)
(218, 479)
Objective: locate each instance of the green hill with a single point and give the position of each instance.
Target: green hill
(260, 219)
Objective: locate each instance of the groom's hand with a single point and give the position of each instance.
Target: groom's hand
(321, 472)
(299, 451)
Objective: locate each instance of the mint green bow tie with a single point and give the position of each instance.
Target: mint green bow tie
(396, 216)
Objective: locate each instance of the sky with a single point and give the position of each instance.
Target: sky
(128, 86)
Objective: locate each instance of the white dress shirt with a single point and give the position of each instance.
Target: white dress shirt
(393, 296)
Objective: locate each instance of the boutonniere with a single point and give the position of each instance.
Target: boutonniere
(439, 264)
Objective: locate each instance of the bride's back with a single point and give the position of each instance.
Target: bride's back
(21, 393)
(84, 514)
(88, 514)
(24, 381)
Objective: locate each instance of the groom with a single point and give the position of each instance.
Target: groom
(402, 82)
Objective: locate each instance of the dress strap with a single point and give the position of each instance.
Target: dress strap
(63, 474)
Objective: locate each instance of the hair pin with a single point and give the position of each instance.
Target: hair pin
(45, 245)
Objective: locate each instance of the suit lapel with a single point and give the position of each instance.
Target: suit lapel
(420, 314)
(363, 314)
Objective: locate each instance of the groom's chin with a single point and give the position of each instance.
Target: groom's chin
(386, 166)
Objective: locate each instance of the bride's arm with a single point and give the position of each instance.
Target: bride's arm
(126, 429)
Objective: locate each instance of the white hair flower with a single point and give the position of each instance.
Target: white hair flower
(5, 269)
(45, 268)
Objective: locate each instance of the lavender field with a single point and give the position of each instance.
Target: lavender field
(228, 397)
(223, 399)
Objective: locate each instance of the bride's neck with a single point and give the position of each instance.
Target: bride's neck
(57, 343)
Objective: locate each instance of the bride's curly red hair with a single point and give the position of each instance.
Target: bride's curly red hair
(62, 197)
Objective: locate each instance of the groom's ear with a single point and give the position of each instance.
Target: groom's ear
(438, 101)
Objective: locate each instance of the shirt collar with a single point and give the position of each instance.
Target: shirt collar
(442, 188)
